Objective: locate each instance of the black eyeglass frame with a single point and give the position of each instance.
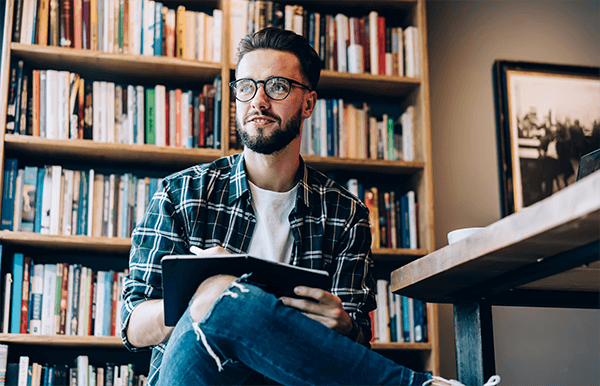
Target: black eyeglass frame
(257, 82)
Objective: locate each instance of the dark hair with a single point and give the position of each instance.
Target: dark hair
(287, 41)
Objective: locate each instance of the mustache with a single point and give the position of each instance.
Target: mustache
(263, 114)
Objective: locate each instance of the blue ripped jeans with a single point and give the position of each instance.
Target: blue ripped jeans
(249, 336)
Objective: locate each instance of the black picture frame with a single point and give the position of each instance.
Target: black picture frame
(547, 117)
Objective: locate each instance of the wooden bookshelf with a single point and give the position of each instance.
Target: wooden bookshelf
(176, 72)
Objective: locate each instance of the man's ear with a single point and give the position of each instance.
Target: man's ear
(309, 103)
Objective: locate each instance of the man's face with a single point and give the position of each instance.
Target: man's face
(264, 125)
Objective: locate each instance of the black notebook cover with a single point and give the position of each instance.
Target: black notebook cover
(182, 274)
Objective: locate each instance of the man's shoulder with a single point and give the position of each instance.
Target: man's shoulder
(215, 169)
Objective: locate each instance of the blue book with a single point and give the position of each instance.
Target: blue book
(158, 29)
(405, 320)
(17, 290)
(405, 222)
(37, 223)
(329, 128)
(217, 112)
(335, 113)
(418, 318)
(153, 187)
(30, 179)
(8, 194)
(18, 97)
(108, 284)
(311, 30)
(84, 186)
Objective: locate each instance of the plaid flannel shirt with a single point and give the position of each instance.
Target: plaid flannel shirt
(209, 205)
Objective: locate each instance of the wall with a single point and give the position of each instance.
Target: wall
(533, 346)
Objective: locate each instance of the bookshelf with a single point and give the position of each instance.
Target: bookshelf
(177, 72)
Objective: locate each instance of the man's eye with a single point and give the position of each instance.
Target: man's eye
(279, 86)
(245, 88)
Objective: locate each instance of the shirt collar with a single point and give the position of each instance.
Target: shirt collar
(238, 183)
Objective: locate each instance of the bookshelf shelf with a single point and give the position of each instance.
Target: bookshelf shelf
(64, 341)
(401, 346)
(367, 85)
(119, 66)
(105, 245)
(108, 153)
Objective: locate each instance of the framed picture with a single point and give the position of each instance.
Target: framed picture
(548, 117)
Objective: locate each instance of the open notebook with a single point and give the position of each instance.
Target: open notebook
(182, 274)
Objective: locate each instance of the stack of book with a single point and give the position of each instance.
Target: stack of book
(62, 105)
(61, 299)
(137, 27)
(367, 44)
(57, 201)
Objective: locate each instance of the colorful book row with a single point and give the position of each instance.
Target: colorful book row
(341, 129)
(29, 373)
(138, 27)
(61, 299)
(393, 216)
(367, 44)
(62, 105)
(398, 318)
(57, 201)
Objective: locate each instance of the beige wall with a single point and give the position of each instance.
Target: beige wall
(533, 346)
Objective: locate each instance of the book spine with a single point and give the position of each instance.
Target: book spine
(17, 288)
(9, 193)
(24, 314)
(64, 293)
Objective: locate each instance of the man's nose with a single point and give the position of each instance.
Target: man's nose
(261, 100)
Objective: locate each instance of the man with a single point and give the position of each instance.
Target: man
(268, 203)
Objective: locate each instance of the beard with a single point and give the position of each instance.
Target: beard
(269, 144)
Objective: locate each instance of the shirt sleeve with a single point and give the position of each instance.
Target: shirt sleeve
(353, 282)
(158, 234)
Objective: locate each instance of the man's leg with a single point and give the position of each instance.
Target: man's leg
(248, 330)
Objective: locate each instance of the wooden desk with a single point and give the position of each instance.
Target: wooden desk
(546, 255)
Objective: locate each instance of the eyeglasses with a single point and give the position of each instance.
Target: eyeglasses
(276, 88)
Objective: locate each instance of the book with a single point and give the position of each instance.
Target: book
(18, 211)
(37, 295)
(17, 293)
(182, 274)
(6, 304)
(27, 264)
(9, 193)
(48, 301)
(3, 363)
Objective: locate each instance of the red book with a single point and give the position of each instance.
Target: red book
(167, 123)
(36, 103)
(25, 295)
(77, 24)
(64, 294)
(381, 43)
(81, 110)
(115, 297)
(202, 120)
(66, 23)
(86, 28)
(364, 41)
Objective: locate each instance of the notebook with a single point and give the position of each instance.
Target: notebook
(588, 164)
(182, 274)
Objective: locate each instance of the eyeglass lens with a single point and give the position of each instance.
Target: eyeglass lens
(275, 88)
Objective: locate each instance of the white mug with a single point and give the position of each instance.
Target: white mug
(459, 234)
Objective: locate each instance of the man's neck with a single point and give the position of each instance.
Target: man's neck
(276, 172)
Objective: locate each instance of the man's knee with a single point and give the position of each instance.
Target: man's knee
(207, 293)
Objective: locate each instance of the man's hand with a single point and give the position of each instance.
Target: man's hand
(327, 309)
(218, 250)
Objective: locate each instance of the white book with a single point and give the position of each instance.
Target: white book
(201, 33)
(139, 139)
(100, 291)
(298, 20)
(56, 199)
(372, 138)
(105, 23)
(185, 119)
(63, 105)
(118, 103)
(172, 118)
(97, 115)
(23, 370)
(49, 299)
(238, 25)
(416, 46)
(131, 106)
(112, 17)
(122, 202)
(190, 36)
(411, 320)
(140, 200)
(412, 216)
(46, 200)
(83, 313)
(6, 304)
(37, 298)
(408, 144)
(110, 113)
(217, 35)
(149, 9)
(111, 205)
(342, 39)
(289, 17)
(398, 311)
(90, 207)
(374, 42)
(409, 49)
(103, 112)
(26, 22)
(120, 279)
(392, 315)
(51, 104)
(160, 115)
(18, 212)
(208, 42)
(323, 128)
(67, 206)
(68, 326)
(82, 370)
(135, 7)
(383, 311)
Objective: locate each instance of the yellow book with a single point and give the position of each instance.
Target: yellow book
(94, 25)
(181, 35)
(42, 38)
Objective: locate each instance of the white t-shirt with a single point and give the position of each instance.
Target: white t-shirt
(272, 238)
